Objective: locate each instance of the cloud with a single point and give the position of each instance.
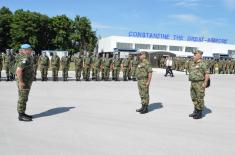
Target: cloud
(187, 3)
(189, 18)
(230, 4)
(96, 25)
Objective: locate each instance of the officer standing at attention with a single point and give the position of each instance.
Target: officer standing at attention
(44, 65)
(24, 76)
(144, 76)
(199, 76)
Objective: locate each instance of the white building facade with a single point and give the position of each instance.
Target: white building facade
(181, 48)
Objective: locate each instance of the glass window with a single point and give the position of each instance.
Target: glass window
(124, 45)
(190, 49)
(176, 48)
(159, 47)
(142, 46)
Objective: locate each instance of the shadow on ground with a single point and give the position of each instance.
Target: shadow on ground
(206, 111)
(53, 111)
(154, 106)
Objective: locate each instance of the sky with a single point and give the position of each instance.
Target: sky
(200, 18)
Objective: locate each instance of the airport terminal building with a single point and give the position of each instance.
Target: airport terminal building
(176, 45)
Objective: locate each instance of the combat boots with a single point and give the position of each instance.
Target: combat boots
(145, 109)
(24, 117)
(139, 110)
(194, 113)
(198, 114)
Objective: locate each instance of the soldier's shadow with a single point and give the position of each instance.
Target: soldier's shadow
(206, 111)
(53, 111)
(154, 106)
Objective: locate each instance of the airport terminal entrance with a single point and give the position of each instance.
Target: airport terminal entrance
(157, 59)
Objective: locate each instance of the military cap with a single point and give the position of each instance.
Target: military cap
(25, 46)
(197, 51)
(143, 52)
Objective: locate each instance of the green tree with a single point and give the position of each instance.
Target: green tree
(5, 22)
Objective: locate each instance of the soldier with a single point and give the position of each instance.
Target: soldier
(96, 67)
(199, 76)
(134, 64)
(86, 67)
(129, 68)
(107, 67)
(102, 66)
(7, 63)
(116, 67)
(1, 64)
(12, 68)
(65, 63)
(55, 66)
(93, 59)
(44, 65)
(144, 76)
(35, 64)
(125, 68)
(78, 62)
(25, 75)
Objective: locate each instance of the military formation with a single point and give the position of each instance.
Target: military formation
(97, 67)
(215, 66)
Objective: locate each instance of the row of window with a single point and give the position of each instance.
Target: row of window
(155, 47)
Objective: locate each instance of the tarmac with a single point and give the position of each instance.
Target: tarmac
(99, 118)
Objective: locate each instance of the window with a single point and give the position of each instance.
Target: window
(190, 49)
(142, 46)
(124, 45)
(159, 47)
(176, 48)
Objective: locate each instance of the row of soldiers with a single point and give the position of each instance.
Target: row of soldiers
(214, 66)
(96, 66)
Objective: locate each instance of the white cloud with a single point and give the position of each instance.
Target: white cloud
(189, 18)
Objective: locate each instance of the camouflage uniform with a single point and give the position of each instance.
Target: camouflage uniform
(143, 69)
(134, 64)
(107, 65)
(78, 67)
(7, 58)
(44, 65)
(116, 69)
(55, 66)
(26, 63)
(65, 62)
(125, 68)
(197, 73)
(96, 68)
(35, 65)
(86, 68)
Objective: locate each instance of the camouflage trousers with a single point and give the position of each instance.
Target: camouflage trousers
(7, 68)
(86, 73)
(55, 71)
(197, 92)
(44, 70)
(96, 73)
(115, 73)
(23, 98)
(65, 73)
(133, 72)
(78, 72)
(143, 91)
(125, 73)
(106, 73)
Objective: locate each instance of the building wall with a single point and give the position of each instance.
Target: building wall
(108, 44)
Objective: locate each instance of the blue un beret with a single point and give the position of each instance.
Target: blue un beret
(25, 46)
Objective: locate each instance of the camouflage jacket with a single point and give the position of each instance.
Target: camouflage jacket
(143, 69)
(44, 61)
(77, 61)
(25, 62)
(55, 61)
(197, 71)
